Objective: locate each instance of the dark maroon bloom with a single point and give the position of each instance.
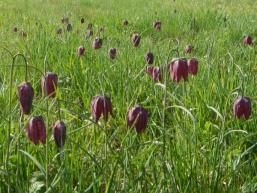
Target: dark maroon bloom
(154, 72)
(248, 40)
(36, 130)
(101, 105)
(15, 29)
(135, 39)
(157, 25)
(49, 84)
(59, 133)
(149, 70)
(188, 49)
(112, 53)
(65, 20)
(82, 20)
(59, 31)
(149, 57)
(81, 50)
(97, 43)
(192, 66)
(242, 107)
(125, 22)
(69, 27)
(137, 117)
(25, 94)
(90, 26)
(178, 69)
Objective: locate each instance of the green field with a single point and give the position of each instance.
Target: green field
(193, 143)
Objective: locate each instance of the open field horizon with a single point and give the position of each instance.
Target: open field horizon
(187, 136)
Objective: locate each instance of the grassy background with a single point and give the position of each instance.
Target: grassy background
(192, 143)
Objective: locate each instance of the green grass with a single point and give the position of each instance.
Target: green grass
(192, 142)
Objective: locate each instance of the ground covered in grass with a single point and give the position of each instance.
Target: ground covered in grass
(192, 143)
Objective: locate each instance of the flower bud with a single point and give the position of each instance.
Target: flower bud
(248, 40)
(157, 25)
(135, 39)
(97, 43)
(36, 130)
(49, 84)
(242, 107)
(112, 53)
(59, 133)
(81, 50)
(149, 70)
(25, 94)
(149, 58)
(154, 72)
(101, 105)
(137, 117)
(192, 66)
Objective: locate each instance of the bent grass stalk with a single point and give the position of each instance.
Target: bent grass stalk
(10, 115)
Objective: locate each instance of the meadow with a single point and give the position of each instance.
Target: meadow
(193, 141)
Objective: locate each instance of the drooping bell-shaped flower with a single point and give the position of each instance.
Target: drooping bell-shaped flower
(192, 66)
(242, 107)
(137, 117)
(135, 39)
(157, 25)
(25, 94)
(178, 69)
(49, 84)
(112, 53)
(101, 105)
(97, 43)
(81, 50)
(149, 58)
(154, 72)
(248, 40)
(59, 133)
(36, 130)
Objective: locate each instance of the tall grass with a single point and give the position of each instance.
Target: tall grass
(192, 143)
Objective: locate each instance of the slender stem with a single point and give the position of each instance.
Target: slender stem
(18, 145)
(10, 125)
(46, 146)
(25, 62)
